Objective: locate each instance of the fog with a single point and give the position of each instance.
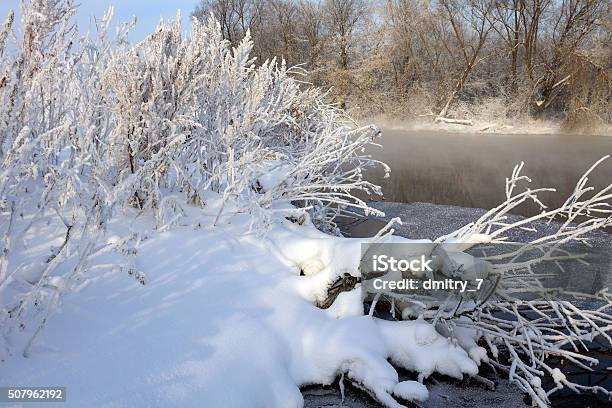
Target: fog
(469, 170)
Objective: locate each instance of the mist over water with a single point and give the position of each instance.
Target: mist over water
(469, 170)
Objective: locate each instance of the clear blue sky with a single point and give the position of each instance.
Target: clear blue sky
(147, 11)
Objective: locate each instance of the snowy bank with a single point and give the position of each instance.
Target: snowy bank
(538, 127)
(226, 319)
(483, 126)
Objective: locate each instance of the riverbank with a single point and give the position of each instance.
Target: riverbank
(485, 126)
(215, 310)
(442, 394)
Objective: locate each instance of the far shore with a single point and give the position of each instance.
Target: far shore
(508, 127)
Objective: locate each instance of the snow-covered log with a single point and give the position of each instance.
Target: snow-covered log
(466, 122)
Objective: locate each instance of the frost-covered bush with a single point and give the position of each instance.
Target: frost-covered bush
(51, 132)
(193, 114)
(91, 126)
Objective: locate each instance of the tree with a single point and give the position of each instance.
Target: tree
(573, 22)
(343, 18)
(518, 23)
(471, 25)
(310, 22)
(278, 36)
(236, 17)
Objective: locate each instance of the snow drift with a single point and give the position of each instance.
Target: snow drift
(223, 321)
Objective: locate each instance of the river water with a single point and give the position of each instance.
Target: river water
(469, 170)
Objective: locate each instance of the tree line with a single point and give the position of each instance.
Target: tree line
(439, 58)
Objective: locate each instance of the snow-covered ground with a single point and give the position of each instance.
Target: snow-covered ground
(224, 319)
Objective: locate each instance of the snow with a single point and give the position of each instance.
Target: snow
(152, 255)
(147, 258)
(486, 127)
(557, 375)
(224, 318)
(411, 390)
(489, 126)
(272, 174)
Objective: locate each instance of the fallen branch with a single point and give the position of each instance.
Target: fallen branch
(466, 122)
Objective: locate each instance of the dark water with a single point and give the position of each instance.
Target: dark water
(469, 170)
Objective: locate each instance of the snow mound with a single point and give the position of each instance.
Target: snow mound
(226, 318)
(411, 391)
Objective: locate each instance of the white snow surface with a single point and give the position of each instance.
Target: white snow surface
(273, 173)
(224, 320)
(411, 390)
(485, 127)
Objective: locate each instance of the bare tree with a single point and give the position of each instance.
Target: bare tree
(236, 17)
(574, 21)
(277, 35)
(471, 25)
(343, 17)
(311, 30)
(432, 51)
(417, 55)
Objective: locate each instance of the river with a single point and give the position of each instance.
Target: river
(469, 170)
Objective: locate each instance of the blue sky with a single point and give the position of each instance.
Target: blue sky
(148, 12)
